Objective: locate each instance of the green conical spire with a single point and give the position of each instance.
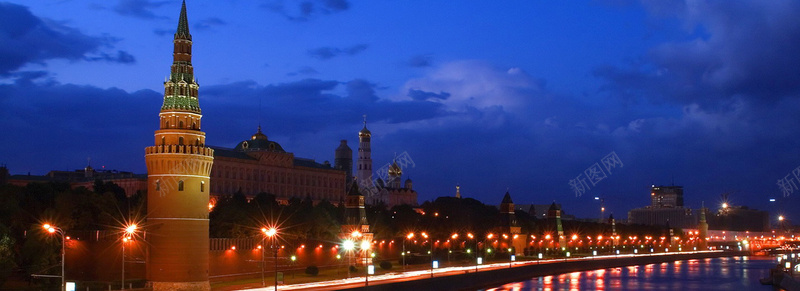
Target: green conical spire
(183, 24)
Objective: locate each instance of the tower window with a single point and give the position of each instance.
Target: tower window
(180, 124)
(180, 185)
(158, 185)
(163, 140)
(180, 140)
(202, 186)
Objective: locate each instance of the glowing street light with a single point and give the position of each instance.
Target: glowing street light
(126, 236)
(272, 234)
(55, 229)
(365, 245)
(348, 246)
(410, 235)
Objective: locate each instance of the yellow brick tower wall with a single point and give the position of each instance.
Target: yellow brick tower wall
(178, 185)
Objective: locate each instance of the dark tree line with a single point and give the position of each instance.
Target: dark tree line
(25, 248)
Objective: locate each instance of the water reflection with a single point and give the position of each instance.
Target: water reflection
(739, 273)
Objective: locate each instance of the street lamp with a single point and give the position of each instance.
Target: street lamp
(453, 238)
(470, 236)
(54, 229)
(270, 233)
(410, 235)
(365, 248)
(126, 237)
(349, 245)
(425, 235)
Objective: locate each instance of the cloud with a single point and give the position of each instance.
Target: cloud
(479, 84)
(27, 38)
(741, 49)
(139, 8)
(327, 53)
(306, 10)
(121, 57)
(208, 23)
(422, 95)
(420, 61)
(40, 114)
(304, 71)
(307, 106)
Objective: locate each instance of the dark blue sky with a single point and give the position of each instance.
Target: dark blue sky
(523, 95)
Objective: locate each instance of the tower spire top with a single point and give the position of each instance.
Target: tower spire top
(183, 24)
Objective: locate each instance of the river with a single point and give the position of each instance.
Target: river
(728, 273)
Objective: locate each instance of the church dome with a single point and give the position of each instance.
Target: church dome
(364, 132)
(395, 170)
(259, 135)
(259, 142)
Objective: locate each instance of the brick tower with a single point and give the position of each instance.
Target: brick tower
(178, 169)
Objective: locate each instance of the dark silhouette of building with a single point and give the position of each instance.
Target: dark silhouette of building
(554, 216)
(343, 159)
(739, 218)
(666, 205)
(666, 196)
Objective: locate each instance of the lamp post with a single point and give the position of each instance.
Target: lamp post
(425, 235)
(453, 238)
(410, 235)
(271, 233)
(470, 236)
(348, 246)
(487, 249)
(54, 229)
(365, 248)
(126, 237)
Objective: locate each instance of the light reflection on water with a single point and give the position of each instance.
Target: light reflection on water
(736, 273)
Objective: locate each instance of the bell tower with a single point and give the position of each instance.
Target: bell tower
(178, 169)
(364, 163)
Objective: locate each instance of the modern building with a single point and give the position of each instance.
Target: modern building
(666, 208)
(178, 183)
(666, 196)
(739, 218)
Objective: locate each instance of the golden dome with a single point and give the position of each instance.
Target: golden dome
(259, 135)
(395, 170)
(364, 132)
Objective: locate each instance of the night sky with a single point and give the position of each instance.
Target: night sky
(517, 95)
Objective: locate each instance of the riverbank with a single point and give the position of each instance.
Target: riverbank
(470, 280)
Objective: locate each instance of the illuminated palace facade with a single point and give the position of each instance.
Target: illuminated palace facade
(260, 165)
